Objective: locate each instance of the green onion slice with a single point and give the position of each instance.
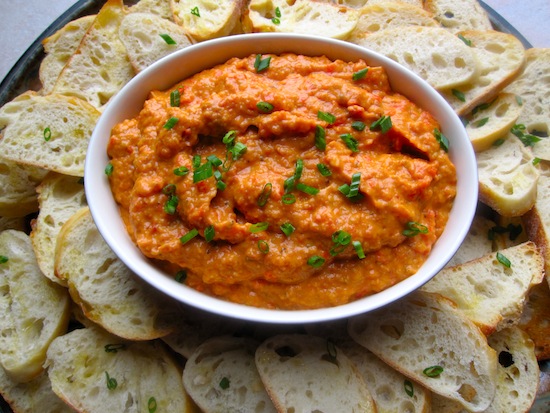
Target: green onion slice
(409, 389)
(287, 229)
(459, 95)
(170, 123)
(360, 74)
(307, 189)
(175, 98)
(171, 205)
(433, 371)
(264, 107)
(168, 39)
(414, 228)
(265, 194)
(442, 139)
(261, 64)
(189, 236)
(224, 383)
(152, 405)
(111, 382)
(181, 171)
(288, 199)
(169, 189)
(355, 185)
(481, 122)
(503, 260)
(203, 172)
(195, 11)
(384, 124)
(358, 125)
(320, 138)
(323, 169)
(209, 233)
(315, 261)
(326, 116)
(359, 249)
(350, 142)
(113, 348)
(466, 41)
(181, 275)
(229, 137)
(109, 169)
(263, 246)
(47, 134)
(3, 259)
(259, 227)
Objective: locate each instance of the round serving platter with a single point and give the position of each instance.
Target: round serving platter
(23, 76)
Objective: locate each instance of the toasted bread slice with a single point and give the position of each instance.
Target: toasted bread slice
(477, 242)
(300, 16)
(425, 331)
(207, 19)
(60, 196)
(161, 8)
(141, 34)
(492, 121)
(459, 15)
(537, 219)
(18, 184)
(533, 86)
(417, 3)
(221, 376)
(107, 291)
(59, 47)
(490, 293)
(92, 370)
(433, 53)
(33, 396)
(499, 56)
(34, 310)
(50, 132)
(535, 319)
(507, 177)
(391, 391)
(100, 66)
(324, 379)
(17, 223)
(389, 14)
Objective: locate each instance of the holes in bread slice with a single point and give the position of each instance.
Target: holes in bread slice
(393, 329)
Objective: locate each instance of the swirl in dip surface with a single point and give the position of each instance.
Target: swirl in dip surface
(302, 185)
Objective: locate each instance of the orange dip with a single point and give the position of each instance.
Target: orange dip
(405, 180)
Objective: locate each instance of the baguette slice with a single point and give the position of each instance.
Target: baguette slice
(535, 319)
(389, 14)
(17, 223)
(459, 15)
(99, 68)
(387, 386)
(60, 196)
(324, 379)
(537, 219)
(141, 35)
(161, 8)
(59, 48)
(34, 310)
(499, 56)
(507, 177)
(210, 19)
(477, 242)
(424, 330)
(107, 291)
(81, 363)
(18, 184)
(300, 16)
(533, 85)
(487, 291)
(221, 376)
(433, 53)
(31, 397)
(50, 132)
(492, 121)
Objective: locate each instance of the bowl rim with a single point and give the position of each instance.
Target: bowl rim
(211, 52)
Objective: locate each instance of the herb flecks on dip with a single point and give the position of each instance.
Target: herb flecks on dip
(286, 182)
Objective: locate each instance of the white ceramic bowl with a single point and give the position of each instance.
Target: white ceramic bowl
(184, 63)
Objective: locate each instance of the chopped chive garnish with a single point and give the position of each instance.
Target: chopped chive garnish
(350, 142)
(384, 124)
(442, 139)
(414, 228)
(481, 122)
(259, 227)
(189, 236)
(181, 276)
(354, 186)
(320, 138)
(433, 371)
(168, 39)
(169, 189)
(459, 95)
(171, 205)
(181, 171)
(323, 169)
(360, 74)
(263, 246)
(175, 98)
(203, 172)
(47, 134)
(358, 249)
(261, 64)
(265, 194)
(288, 199)
(111, 382)
(214, 160)
(466, 41)
(409, 389)
(287, 228)
(278, 12)
(195, 11)
(307, 189)
(299, 169)
(196, 161)
(209, 233)
(340, 240)
(315, 261)
(264, 107)
(346, 189)
(358, 125)
(503, 260)
(109, 169)
(276, 20)
(152, 405)
(327, 117)
(526, 138)
(171, 123)
(229, 137)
